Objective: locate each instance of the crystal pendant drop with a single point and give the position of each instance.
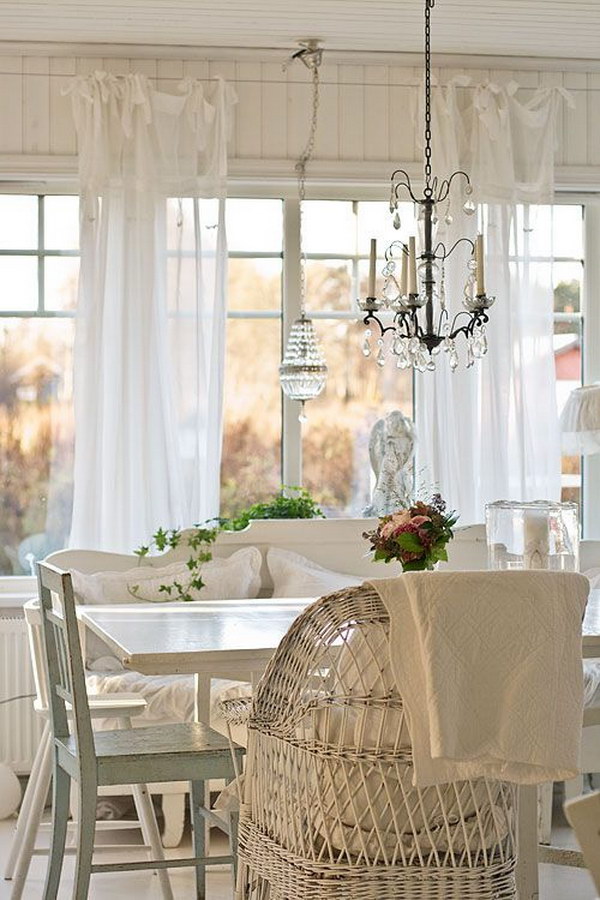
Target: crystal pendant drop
(469, 207)
(303, 370)
(380, 353)
(470, 355)
(396, 221)
(366, 347)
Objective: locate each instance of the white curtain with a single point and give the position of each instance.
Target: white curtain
(149, 347)
(491, 432)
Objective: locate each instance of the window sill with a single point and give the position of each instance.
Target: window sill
(15, 590)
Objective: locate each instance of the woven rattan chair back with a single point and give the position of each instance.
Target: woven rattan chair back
(329, 808)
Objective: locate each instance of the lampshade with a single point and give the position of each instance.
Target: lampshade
(303, 370)
(580, 421)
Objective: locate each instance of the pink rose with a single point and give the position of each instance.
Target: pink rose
(420, 520)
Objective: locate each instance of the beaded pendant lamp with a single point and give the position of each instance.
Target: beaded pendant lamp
(303, 370)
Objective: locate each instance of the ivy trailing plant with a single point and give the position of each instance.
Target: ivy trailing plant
(199, 539)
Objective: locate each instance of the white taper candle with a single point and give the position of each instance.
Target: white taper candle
(479, 257)
(372, 264)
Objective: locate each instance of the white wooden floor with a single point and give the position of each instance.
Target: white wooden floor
(557, 882)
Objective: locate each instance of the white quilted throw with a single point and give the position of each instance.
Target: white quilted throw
(489, 666)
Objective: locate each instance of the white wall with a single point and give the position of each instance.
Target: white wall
(366, 114)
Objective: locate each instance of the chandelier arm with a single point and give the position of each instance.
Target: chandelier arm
(405, 184)
(480, 317)
(371, 317)
(460, 241)
(447, 184)
(389, 253)
(440, 245)
(444, 314)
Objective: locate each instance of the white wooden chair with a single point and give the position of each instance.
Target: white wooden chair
(329, 808)
(122, 706)
(583, 814)
(190, 751)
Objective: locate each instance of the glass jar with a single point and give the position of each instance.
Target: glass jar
(537, 535)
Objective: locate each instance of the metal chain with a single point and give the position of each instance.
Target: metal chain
(428, 7)
(313, 63)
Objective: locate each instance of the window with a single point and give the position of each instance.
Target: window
(563, 229)
(335, 453)
(252, 427)
(39, 264)
(39, 267)
(335, 440)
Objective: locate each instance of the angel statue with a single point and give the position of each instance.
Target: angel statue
(391, 448)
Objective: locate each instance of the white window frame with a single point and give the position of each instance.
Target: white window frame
(15, 589)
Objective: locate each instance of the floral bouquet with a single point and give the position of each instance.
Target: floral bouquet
(415, 537)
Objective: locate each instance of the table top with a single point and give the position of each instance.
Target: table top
(190, 637)
(187, 637)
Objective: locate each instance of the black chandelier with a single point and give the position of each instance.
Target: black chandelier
(414, 285)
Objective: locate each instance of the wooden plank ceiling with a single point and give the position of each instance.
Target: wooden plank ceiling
(543, 28)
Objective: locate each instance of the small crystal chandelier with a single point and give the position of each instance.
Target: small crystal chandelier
(303, 370)
(416, 282)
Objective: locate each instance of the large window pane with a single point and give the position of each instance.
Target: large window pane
(18, 222)
(255, 284)
(329, 226)
(254, 226)
(61, 223)
(18, 283)
(567, 231)
(329, 285)
(251, 460)
(335, 441)
(567, 357)
(567, 278)
(36, 440)
(61, 277)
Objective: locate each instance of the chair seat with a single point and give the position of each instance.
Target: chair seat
(181, 752)
(102, 706)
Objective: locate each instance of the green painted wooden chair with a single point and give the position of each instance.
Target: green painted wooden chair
(190, 751)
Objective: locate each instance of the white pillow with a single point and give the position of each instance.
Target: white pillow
(237, 577)
(295, 576)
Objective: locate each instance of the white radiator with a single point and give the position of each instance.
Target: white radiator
(20, 728)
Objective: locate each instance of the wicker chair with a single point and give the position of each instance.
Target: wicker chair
(329, 809)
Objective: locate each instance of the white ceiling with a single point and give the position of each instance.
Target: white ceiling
(557, 28)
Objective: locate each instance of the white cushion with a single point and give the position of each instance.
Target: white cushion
(295, 576)
(233, 578)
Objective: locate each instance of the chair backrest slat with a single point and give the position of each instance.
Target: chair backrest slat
(65, 674)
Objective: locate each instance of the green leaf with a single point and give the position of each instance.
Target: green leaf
(409, 541)
(415, 565)
(142, 551)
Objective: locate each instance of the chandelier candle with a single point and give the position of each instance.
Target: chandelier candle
(421, 324)
(372, 265)
(480, 266)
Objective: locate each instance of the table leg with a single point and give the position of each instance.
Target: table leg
(527, 843)
(202, 714)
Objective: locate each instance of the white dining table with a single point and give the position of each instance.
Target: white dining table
(235, 639)
(210, 639)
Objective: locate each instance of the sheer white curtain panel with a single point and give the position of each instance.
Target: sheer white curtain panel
(491, 432)
(150, 332)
